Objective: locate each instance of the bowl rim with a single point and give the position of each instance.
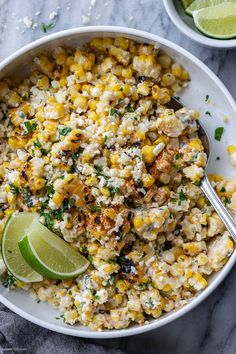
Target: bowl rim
(74, 331)
(195, 36)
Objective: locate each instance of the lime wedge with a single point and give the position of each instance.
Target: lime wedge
(50, 255)
(15, 227)
(186, 3)
(217, 21)
(200, 4)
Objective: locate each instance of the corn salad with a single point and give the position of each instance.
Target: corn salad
(88, 142)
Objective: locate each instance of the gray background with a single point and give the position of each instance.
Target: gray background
(211, 327)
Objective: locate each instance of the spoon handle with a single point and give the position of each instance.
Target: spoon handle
(220, 208)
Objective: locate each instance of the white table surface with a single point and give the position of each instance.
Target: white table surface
(211, 327)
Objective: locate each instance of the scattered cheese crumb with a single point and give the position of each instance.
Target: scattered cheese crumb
(85, 19)
(93, 2)
(37, 13)
(52, 15)
(27, 22)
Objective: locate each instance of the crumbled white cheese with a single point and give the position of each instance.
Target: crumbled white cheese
(85, 19)
(53, 15)
(27, 22)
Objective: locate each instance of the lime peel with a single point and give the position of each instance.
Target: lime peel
(50, 255)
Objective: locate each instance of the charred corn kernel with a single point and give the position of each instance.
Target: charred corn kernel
(148, 154)
(122, 56)
(118, 299)
(143, 89)
(135, 96)
(127, 73)
(39, 184)
(91, 181)
(43, 83)
(101, 43)
(232, 154)
(105, 191)
(147, 180)
(57, 198)
(110, 213)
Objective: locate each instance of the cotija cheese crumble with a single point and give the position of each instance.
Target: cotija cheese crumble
(88, 142)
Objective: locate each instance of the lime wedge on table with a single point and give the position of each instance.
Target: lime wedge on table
(200, 4)
(50, 255)
(15, 227)
(186, 3)
(217, 21)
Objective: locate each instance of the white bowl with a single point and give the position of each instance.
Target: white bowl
(186, 25)
(203, 82)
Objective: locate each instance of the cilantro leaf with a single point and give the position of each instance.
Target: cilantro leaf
(218, 133)
(45, 27)
(64, 131)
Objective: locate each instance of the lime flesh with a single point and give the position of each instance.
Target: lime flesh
(15, 227)
(50, 255)
(200, 4)
(186, 3)
(217, 21)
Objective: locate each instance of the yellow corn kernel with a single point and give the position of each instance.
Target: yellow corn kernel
(147, 180)
(81, 102)
(122, 43)
(39, 184)
(91, 181)
(201, 202)
(11, 198)
(135, 96)
(143, 89)
(101, 43)
(138, 222)
(14, 99)
(63, 82)
(117, 298)
(105, 191)
(43, 83)
(176, 70)
(215, 178)
(196, 144)
(168, 79)
(57, 198)
(140, 135)
(44, 64)
(127, 73)
(3, 89)
(127, 90)
(148, 154)
(122, 286)
(184, 75)
(161, 139)
(126, 173)
(93, 104)
(9, 212)
(114, 157)
(231, 149)
(110, 213)
(122, 56)
(17, 143)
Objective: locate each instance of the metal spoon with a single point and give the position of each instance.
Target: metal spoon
(206, 186)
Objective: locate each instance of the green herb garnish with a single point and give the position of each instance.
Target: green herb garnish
(64, 131)
(37, 143)
(14, 189)
(129, 108)
(222, 190)
(97, 208)
(9, 281)
(208, 113)
(114, 111)
(182, 196)
(113, 191)
(45, 27)
(206, 98)
(30, 127)
(218, 133)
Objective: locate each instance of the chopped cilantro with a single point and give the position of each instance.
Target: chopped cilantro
(114, 111)
(37, 143)
(98, 169)
(9, 281)
(227, 200)
(177, 156)
(72, 202)
(198, 183)
(129, 108)
(84, 249)
(218, 133)
(30, 127)
(208, 113)
(206, 98)
(105, 138)
(113, 191)
(97, 208)
(182, 196)
(45, 27)
(14, 189)
(90, 258)
(48, 220)
(64, 131)
(33, 153)
(77, 154)
(50, 189)
(58, 214)
(208, 203)
(22, 115)
(222, 190)
(97, 297)
(150, 303)
(44, 152)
